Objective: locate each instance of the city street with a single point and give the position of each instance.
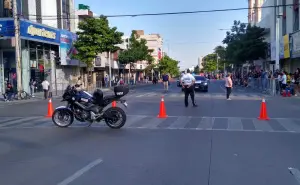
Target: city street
(219, 142)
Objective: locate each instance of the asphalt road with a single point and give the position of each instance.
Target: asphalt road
(218, 143)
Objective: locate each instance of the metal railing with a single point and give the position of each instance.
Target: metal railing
(266, 86)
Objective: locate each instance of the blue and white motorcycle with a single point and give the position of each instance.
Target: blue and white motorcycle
(85, 107)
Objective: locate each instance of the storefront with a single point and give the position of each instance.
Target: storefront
(295, 51)
(39, 45)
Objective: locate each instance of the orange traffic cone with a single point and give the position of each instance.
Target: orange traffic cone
(162, 109)
(50, 109)
(114, 104)
(263, 111)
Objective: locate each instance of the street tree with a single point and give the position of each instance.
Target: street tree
(137, 51)
(169, 66)
(221, 53)
(96, 36)
(210, 62)
(245, 43)
(196, 70)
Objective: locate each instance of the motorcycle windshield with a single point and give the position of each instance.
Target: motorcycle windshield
(85, 95)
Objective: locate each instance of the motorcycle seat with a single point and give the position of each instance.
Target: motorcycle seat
(109, 97)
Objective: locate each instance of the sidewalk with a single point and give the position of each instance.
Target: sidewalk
(40, 95)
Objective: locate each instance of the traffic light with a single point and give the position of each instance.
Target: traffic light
(57, 60)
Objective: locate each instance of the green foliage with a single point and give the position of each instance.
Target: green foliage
(169, 66)
(95, 36)
(245, 43)
(149, 68)
(196, 70)
(137, 51)
(210, 62)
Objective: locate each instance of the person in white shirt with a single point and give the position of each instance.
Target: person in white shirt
(228, 85)
(45, 85)
(283, 81)
(187, 82)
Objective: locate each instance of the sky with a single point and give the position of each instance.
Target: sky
(186, 37)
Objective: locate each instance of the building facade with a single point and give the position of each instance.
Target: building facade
(254, 11)
(155, 46)
(289, 20)
(200, 63)
(41, 39)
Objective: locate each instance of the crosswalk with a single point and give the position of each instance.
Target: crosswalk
(239, 96)
(172, 122)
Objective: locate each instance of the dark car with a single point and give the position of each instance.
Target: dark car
(178, 83)
(201, 83)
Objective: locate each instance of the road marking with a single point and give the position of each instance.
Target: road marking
(80, 172)
(180, 122)
(24, 119)
(235, 124)
(296, 173)
(222, 88)
(144, 94)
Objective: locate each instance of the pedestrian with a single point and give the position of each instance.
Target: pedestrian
(296, 81)
(46, 87)
(187, 82)
(9, 91)
(165, 79)
(32, 85)
(228, 85)
(78, 84)
(106, 80)
(283, 81)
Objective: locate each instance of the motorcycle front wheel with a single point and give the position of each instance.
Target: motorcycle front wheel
(62, 118)
(115, 117)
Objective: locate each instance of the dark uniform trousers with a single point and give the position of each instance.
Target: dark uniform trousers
(187, 92)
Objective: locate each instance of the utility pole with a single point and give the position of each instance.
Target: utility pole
(17, 48)
(277, 13)
(109, 68)
(217, 63)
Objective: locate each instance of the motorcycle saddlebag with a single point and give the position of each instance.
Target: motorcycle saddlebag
(121, 90)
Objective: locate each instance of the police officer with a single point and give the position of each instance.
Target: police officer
(187, 82)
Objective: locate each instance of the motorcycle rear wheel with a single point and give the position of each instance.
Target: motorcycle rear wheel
(62, 118)
(114, 115)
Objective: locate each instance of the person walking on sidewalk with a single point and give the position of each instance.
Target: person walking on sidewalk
(32, 85)
(228, 85)
(187, 83)
(46, 87)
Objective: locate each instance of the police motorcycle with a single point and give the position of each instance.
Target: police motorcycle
(85, 107)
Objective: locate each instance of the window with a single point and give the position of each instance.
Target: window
(66, 14)
(201, 78)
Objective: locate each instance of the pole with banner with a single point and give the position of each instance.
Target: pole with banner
(17, 48)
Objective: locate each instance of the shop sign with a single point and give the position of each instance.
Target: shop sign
(281, 50)
(41, 32)
(7, 28)
(286, 46)
(31, 30)
(295, 44)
